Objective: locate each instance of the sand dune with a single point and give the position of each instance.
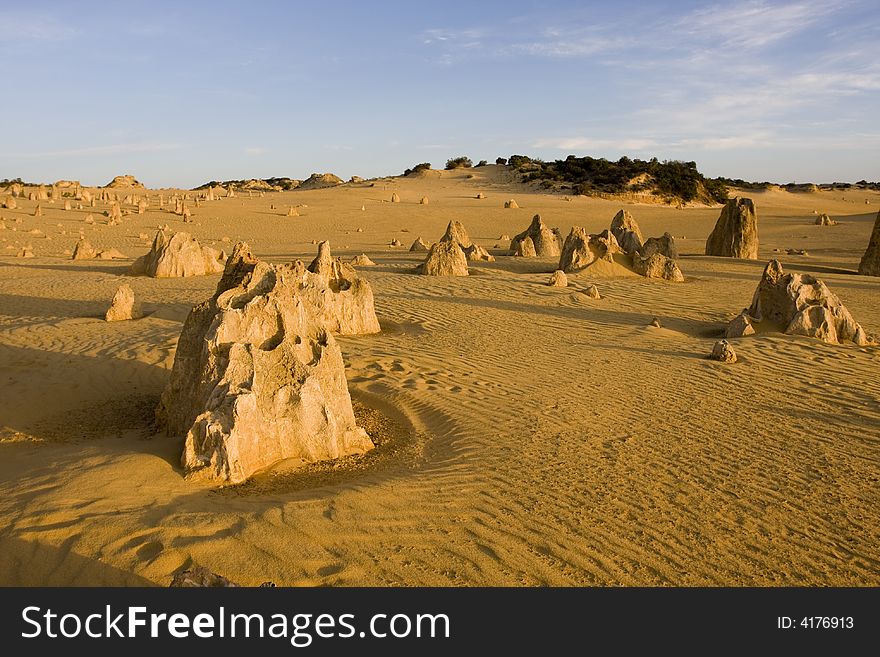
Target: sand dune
(528, 435)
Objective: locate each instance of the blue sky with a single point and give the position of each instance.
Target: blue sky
(179, 93)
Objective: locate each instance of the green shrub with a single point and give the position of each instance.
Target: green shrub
(424, 166)
(459, 163)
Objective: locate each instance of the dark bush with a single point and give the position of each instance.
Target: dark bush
(587, 175)
(424, 166)
(501, 160)
(518, 161)
(482, 163)
(459, 163)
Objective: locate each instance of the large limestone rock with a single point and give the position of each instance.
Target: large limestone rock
(123, 306)
(124, 182)
(799, 304)
(626, 232)
(580, 249)
(178, 256)
(664, 245)
(257, 378)
(870, 263)
(657, 265)
(321, 180)
(824, 220)
(736, 231)
(343, 302)
(455, 232)
(444, 259)
(545, 241)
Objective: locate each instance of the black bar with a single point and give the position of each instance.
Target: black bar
(513, 621)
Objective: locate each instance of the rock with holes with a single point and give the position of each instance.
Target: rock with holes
(180, 255)
(545, 241)
(799, 304)
(870, 263)
(343, 301)
(626, 232)
(444, 259)
(581, 249)
(123, 306)
(258, 377)
(722, 351)
(736, 232)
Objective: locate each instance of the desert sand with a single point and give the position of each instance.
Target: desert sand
(526, 434)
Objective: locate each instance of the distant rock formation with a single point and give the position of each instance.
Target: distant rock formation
(824, 220)
(798, 304)
(736, 231)
(362, 260)
(420, 245)
(178, 256)
(475, 253)
(423, 200)
(626, 232)
(257, 378)
(870, 263)
(124, 182)
(455, 232)
(395, 197)
(510, 205)
(445, 258)
(581, 249)
(84, 251)
(320, 180)
(545, 242)
(123, 306)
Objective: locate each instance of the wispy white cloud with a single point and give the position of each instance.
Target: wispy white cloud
(587, 143)
(755, 23)
(26, 27)
(110, 149)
